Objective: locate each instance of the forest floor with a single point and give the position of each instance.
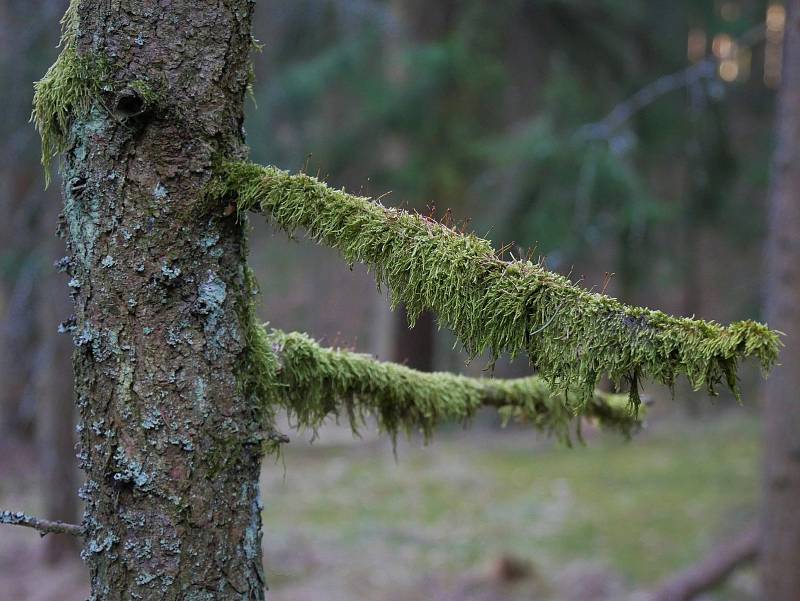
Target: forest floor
(480, 515)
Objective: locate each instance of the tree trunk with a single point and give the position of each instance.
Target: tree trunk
(17, 349)
(423, 22)
(781, 526)
(415, 346)
(170, 440)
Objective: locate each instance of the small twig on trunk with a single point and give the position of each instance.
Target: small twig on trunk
(711, 571)
(16, 518)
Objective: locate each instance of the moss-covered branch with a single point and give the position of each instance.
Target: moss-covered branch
(315, 383)
(571, 335)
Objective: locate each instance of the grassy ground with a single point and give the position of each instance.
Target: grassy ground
(595, 523)
(640, 510)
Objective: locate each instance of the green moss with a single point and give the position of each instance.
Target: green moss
(65, 91)
(315, 383)
(572, 336)
(255, 46)
(257, 370)
(150, 94)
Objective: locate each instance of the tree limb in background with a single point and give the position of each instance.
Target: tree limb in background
(711, 571)
(15, 518)
(316, 383)
(622, 112)
(572, 336)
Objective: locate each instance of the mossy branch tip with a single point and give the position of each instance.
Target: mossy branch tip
(571, 335)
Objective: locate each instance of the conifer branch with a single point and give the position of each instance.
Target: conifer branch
(316, 383)
(644, 97)
(501, 306)
(45, 527)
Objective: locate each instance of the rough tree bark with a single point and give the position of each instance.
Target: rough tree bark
(169, 441)
(781, 528)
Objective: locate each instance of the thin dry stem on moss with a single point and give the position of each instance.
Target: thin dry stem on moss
(571, 335)
(314, 383)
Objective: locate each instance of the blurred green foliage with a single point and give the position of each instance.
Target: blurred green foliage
(479, 108)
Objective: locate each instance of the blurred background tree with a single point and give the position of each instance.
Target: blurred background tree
(36, 404)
